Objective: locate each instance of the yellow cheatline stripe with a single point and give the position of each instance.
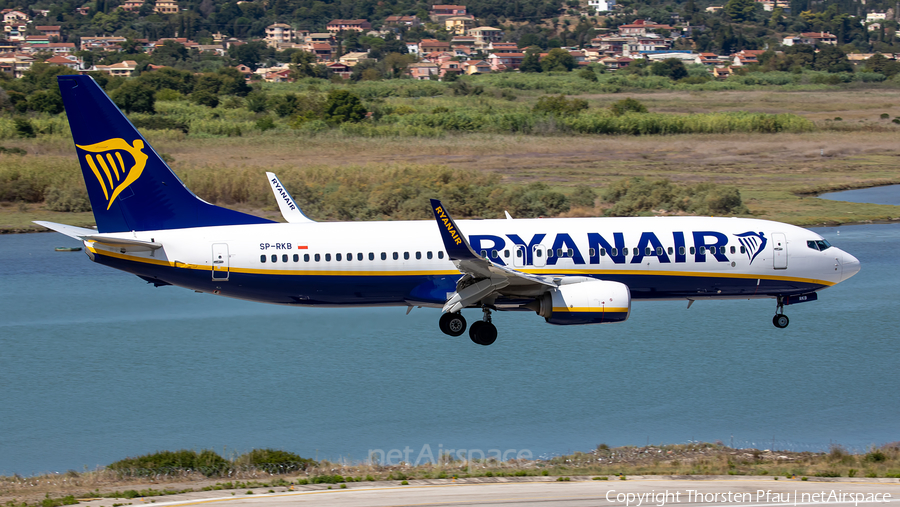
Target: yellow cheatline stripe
(90, 160)
(675, 273)
(584, 272)
(199, 267)
(598, 309)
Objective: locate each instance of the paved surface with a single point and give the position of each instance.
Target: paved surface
(646, 492)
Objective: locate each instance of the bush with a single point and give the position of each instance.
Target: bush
(159, 123)
(587, 74)
(205, 98)
(559, 105)
(638, 196)
(265, 123)
(274, 461)
(206, 462)
(628, 105)
(135, 97)
(67, 199)
(342, 106)
(24, 128)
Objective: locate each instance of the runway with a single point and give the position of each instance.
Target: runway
(646, 492)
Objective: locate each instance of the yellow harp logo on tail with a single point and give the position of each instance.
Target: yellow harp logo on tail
(111, 168)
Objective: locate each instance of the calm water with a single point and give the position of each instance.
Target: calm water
(96, 365)
(889, 194)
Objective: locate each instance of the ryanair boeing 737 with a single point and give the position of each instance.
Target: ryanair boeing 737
(566, 270)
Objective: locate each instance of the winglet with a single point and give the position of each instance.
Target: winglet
(289, 209)
(454, 242)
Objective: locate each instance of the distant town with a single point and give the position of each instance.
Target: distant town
(448, 43)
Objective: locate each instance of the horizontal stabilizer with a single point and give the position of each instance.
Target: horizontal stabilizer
(69, 230)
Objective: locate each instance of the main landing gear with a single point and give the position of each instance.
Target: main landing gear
(780, 320)
(482, 332)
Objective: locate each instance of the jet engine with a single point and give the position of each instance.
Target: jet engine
(589, 302)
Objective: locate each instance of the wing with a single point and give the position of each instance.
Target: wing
(482, 278)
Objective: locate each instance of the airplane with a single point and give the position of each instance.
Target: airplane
(570, 271)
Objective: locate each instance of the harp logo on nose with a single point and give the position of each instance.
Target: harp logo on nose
(116, 164)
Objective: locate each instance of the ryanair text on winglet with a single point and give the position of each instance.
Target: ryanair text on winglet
(448, 224)
(283, 194)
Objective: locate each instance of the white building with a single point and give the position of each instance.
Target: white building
(602, 5)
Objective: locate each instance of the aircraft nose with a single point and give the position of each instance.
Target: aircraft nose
(850, 265)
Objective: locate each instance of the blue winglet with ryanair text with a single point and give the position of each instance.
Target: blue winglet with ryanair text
(455, 243)
(129, 185)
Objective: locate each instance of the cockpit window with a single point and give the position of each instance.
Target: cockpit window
(820, 245)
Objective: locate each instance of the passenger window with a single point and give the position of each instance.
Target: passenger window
(559, 252)
(712, 250)
(337, 257)
(702, 250)
(384, 256)
(591, 252)
(692, 251)
(570, 253)
(538, 252)
(732, 249)
(418, 255)
(318, 257)
(359, 256)
(396, 256)
(371, 256)
(671, 250)
(494, 254)
(743, 250)
(506, 253)
(284, 258)
(518, 253)
(602, 252)
(440, 254)
(659, 250)
(635, 251)
(484, 253)
(296, 257)
(305, 257)
(647, 251)
(681, 250)
(274, 258)
(349, 256)
(328, 257)
(262, 258)
(428, 254)
(613, 252)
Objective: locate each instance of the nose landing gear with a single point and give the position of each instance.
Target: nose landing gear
(483, 332)
(780, 320)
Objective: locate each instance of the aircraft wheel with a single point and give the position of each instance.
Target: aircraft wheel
(452, 324)
(781, 321)
(483, 333)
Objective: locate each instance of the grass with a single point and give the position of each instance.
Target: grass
(777, 174)
(602, 463)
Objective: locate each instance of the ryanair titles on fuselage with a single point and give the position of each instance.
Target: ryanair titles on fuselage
(706, 244)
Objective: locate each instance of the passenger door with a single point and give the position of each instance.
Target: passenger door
(779, 244)
(220, 262)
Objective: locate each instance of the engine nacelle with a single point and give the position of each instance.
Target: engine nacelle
(591, 302)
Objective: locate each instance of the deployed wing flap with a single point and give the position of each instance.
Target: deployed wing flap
(289, 209)
(489, 277)
(123, 242)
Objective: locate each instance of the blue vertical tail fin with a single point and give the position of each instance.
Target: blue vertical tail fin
(129, 185)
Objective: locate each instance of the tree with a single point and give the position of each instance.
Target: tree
(343, 106)
(249, 54)
(531, 62)
(672, 68)
(135, 97)
(46, 101)
(558, 60)
(740, 11)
